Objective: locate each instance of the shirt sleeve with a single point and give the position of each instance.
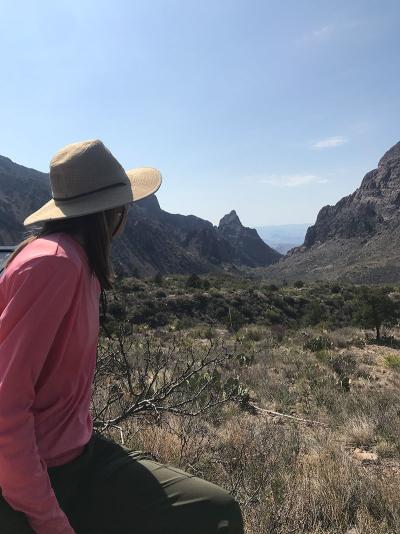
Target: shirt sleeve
(37, 294)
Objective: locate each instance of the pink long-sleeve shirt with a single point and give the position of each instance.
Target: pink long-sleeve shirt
(49, 325)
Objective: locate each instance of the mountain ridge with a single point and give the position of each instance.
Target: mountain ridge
(153, 240)
(357, 239)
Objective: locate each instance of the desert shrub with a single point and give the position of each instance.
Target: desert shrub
(194, 281)
(116, 309)
(158, 319)
(344, 364)
(206, 284)
(209, 332)
(154, 375)
(146, 310)
(336, 289)
(278, 331)
(318, 343)
(393, 361)
(251, 334)
(182, 304)
(314, 313)
(271, 287)
(273, 317)
(158, 278)
(184, 323)
(298, 284)
(322, 355)
(235, 319)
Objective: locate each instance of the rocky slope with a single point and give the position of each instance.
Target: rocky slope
(153, 241)
(358, 239)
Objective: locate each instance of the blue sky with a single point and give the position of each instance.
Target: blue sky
(271, 108)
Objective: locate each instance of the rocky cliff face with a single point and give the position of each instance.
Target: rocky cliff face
(153, 241)
(22, 191)
(373, 205)
(358, 239)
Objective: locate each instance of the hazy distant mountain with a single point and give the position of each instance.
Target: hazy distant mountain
(358, 239)
(283, 237)
(153, 241)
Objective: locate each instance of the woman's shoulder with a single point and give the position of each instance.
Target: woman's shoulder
(59, 245)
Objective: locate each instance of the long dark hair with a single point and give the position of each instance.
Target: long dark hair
(96, 230)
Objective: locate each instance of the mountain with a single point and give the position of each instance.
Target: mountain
(283, 237)
(357, 239)
(249, 248)
(153, 240)
(22, 191)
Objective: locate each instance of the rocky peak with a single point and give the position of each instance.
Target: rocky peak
(374, 206)
(230, 219)
(150, 204)
(392, 155)
(248, 246)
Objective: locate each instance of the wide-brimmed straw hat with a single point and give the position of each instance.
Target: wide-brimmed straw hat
(86, 178)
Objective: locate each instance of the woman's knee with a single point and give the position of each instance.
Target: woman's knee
(228, 510)
(221, 512)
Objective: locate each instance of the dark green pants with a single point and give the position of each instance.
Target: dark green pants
(110, 489)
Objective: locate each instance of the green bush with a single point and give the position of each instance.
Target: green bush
(336, 289)
(314, 313)
(116, 309)
(206, 284)
(273, 317)
(158, 278)
(194, 281)
(317, 344)
(393, 361)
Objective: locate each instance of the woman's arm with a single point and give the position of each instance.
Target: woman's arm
(37, 296)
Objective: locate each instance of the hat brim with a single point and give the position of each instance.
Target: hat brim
(144, 181)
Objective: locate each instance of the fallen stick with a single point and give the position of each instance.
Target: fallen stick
(278, 414)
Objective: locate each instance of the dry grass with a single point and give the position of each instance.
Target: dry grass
(360, 432)
(287, 476)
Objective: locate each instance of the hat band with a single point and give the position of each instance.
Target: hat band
(90, 192)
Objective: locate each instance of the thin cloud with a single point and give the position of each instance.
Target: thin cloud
(319, 34)
(292, 180)
(329, 31)
(331, 142)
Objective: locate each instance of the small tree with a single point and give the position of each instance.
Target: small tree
(158, 278)
(374, 309)
(206, 284)
(194, 281)
(145, 375)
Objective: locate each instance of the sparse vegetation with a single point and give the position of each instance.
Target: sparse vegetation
(325, 455)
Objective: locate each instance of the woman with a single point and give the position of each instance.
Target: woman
(57, 476)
